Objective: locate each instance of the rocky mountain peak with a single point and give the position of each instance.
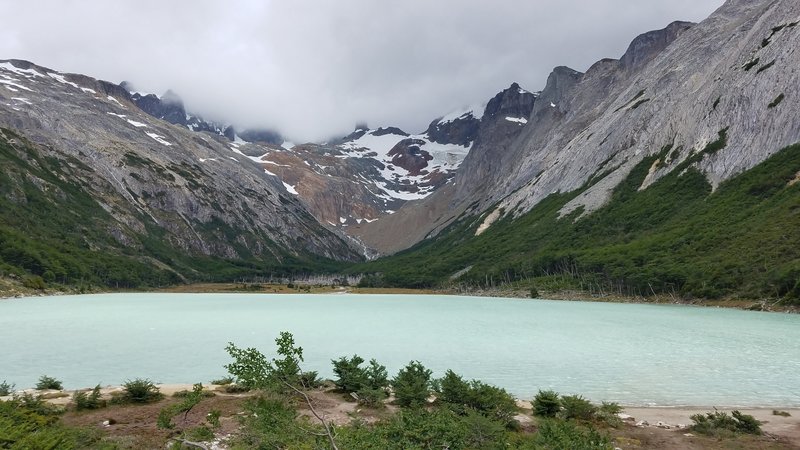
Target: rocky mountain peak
(513, 102)
(646, 46)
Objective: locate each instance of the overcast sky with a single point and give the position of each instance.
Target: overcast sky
(313, 68)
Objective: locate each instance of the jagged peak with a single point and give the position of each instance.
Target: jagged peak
(646, 46)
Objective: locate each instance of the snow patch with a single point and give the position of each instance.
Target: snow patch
(475, 111)
(112, 99)
(27, 73)
(137, 124)
(290, 188)
(22, 100)
(269, 173)
(288, 145)
(159, 139)
(88, 91)
(8, 83)
(202, 160)
(60, 78)
(121, 116)
(552, 105)
(519, 120)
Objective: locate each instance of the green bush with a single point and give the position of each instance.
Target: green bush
(46, 382)
(578, 408)
(718, 422)
(546, 404)
(350, 377)
(462, 396)
(28, 423)
(369, 383)
(223, 381)
(559, 434)
(6, 388)
(140, 390)
(310, 379)
(92, 400)
(250, 367)
(412, 385)
(34, 282)
(254, 371)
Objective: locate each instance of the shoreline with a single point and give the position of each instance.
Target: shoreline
(666, 418)
(565, 295)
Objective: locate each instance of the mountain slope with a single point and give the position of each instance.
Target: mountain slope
(676, 237)
(652, 173)
(679, 87)
(152, 180)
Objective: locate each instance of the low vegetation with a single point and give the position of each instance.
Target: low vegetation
(139, 390)
(720, 423)
(6, 388)
(47, 382)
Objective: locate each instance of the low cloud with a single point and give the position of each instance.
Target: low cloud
(313, 68)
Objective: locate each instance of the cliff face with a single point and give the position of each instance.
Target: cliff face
(150, 175)
(731, 80)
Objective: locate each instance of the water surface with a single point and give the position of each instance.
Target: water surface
(629, 353)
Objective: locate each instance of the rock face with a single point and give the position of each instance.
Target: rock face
(203, 198)
(674, 90)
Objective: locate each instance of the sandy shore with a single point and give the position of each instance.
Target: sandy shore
(673, 417)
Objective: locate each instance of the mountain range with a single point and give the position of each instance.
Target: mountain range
(627, 176)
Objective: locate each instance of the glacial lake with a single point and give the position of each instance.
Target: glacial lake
(629, 353)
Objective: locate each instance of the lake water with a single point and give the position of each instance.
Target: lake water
(632, 354)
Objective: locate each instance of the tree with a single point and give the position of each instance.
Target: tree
(412, 385)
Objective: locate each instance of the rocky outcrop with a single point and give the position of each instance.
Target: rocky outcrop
(461, 130)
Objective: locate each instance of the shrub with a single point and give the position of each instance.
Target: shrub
(46, 382)
(223, 381)
(717, 422)
(777, 101)
(546, 404)
(253, 371)
(578, 408)
(6, 389)
(559, 434)
(213, 418)
(250, 367)
(34, 282)
(140, 390)
(84, 400)
(534, 292)
(349, 376)
(775, 412)
(371, 397)
(462, 396)
(412, 385)
(310, 379)
(369, 383)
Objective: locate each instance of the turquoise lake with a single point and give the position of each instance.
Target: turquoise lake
(628, 353)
